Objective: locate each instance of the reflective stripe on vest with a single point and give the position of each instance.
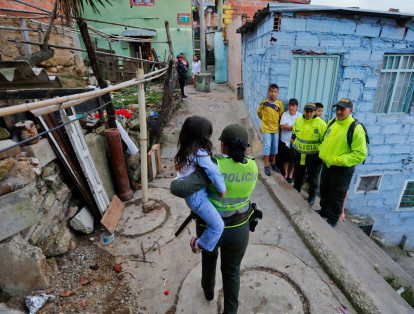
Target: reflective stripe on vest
(240, 181)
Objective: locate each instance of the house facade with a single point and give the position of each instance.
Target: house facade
(321, 54)
(149, 15)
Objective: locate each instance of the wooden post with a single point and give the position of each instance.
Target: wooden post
(202, 38)
(143, 141)
(167, 30)
(83, 28)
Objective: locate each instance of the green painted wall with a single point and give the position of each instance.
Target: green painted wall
(146, 16)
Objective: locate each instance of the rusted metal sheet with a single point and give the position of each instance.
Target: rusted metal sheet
(19, 74)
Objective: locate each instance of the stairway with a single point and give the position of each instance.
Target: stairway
(210, 60)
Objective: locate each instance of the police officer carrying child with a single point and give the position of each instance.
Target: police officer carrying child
(307, 135)
(240, 174)
(340, 158)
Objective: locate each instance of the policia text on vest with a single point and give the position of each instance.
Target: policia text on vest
(240, 177)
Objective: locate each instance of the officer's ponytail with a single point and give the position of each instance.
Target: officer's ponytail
(237, 148)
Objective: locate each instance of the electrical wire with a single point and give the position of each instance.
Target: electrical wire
(85, 114)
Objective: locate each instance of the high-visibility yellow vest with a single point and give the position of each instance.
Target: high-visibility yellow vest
(309, 135)
(240, 181)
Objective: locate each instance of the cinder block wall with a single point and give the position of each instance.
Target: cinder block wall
(361, 43)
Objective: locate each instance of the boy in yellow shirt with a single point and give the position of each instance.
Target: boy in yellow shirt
(270, 111)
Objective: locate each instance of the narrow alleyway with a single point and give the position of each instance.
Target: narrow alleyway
(279, 274)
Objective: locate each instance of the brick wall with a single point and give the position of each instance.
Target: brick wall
(361, 43)
(42, 4)
(233, 8)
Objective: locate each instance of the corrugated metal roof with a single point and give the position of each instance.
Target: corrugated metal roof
(19, 74)
(293, 7)
(139, 33)
(290, 7)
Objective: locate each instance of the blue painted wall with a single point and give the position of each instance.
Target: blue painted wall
(361, 43)
(220, 58)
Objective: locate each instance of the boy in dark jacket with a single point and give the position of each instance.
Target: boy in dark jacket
(182, 74)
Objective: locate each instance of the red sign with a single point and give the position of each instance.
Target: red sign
(183, 19)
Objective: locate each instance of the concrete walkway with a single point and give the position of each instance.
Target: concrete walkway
(280, 273)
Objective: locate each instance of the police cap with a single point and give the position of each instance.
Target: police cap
(235, 131)
(311, 106)
(345, 103)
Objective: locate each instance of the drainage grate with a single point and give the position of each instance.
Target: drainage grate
(367, 229)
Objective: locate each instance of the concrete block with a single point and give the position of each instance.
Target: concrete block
(375, 150)
(391, 129)
(16, 212)
(343, 94)
(400, 46)
(377, 55)
(352, 42)
(373, 129)
(319, 26)
(388, 21)
(293, 25)
(395, 139)
(23, 267)
(401, 149)
(365, 106)
(345, 84)
(285, 53)
(368, 19)
(355, 91)
(307, 40)
(42, 151)
(410, 35)
(346, 27)
(281, 68)
(380, 44)
(371, 82)
(367, 30)
(369, 95)
(392, 32)
(331, 42)
(83, 221)
(10, 152)
(284, 39)
(359, 54)
(381, 159)
(354, 73)
(388, 118)
(399, 158)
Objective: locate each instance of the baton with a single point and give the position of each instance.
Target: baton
(185, 223)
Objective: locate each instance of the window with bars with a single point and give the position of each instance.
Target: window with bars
(395, 85)
(142, 2)
(407, 199)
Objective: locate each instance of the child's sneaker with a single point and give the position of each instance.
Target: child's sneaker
(194, 245)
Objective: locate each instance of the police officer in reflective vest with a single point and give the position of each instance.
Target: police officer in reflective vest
(339, 159)
(240, 174)
(307, 135)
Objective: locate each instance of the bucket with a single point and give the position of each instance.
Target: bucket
(107, 237)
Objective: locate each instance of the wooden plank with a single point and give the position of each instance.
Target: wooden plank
(157, 150)
(112, 215)
(152, 165)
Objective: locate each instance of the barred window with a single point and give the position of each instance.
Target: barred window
(395, 85)
(407, 199)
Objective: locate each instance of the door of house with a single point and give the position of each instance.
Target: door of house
(313, 79)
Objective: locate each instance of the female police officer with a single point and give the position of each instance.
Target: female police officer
(240, 174)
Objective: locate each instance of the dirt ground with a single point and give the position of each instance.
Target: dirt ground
(84, 280)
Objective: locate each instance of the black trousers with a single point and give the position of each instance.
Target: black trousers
(313, 165)
(232, 245)
(181, 81)
(334, 185)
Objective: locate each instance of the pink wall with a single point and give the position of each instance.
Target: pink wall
(234, 58)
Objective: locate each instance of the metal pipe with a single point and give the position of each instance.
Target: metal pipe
(83, 50)
(125, 25)
(123, 188)
(32, 6)
(24, 11)
(143, 141)
(58, 100)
